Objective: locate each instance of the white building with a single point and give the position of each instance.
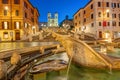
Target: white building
(52, 20)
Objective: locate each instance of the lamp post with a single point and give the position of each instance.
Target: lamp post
(11, 19)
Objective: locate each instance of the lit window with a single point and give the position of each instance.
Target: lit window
(33, 28)
(17, 25)
(5, 35)
(5, 25)
(26, 25)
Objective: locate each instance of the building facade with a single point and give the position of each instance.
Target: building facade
(67, 24)
(52, 20)
(100, 18)
(17, 19)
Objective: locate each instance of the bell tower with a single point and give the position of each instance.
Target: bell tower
(49, 17)
(56, 19)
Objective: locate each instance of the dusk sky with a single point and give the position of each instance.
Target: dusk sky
(63, 7)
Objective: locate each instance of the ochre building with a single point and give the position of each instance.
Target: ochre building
(100, 18)
(18, 19)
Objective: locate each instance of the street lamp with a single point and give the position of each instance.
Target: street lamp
(6, 7)
(107, 10)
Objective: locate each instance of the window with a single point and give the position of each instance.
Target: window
(79, 22)
(107, 4)
(17, 13)
(84, 11)
(100, 24)
(119, 16)
(25, 4)
(108, 23)
(99, 4)
(119, 23)
(32, 11)
(5, 25)
(113, 23)
(118, 5)
(16, 1)
(5, 12)
(91, 6)
(26, 25)
(91, 16)
(32, 19)
(17, 25)
(108, 14)
(5, 35)
(92, 25)
(75, 24)
(114, 5)
(79, 14)
(25, 15)
(113, 15)
(99, 14)
(5, 1)
(84, 19)
(75, 17)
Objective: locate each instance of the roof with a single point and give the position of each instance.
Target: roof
(83, 7)
(34, 7)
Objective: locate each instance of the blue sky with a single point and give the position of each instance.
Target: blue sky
(63, 7)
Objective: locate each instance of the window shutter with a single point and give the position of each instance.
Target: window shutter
(104, 24)
(2, 25)
(19, 25)
(8, 25)
(14, 25)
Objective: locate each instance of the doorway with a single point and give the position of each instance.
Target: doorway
(17, 35)
(100, 34)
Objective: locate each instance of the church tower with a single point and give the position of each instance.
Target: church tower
(56, 19)
(52, 20)
(49, 17)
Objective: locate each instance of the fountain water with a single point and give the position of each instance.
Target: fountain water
(68, 69)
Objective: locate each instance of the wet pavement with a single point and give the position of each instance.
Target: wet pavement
(4, 46)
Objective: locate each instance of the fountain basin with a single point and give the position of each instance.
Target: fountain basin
(50, 65)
